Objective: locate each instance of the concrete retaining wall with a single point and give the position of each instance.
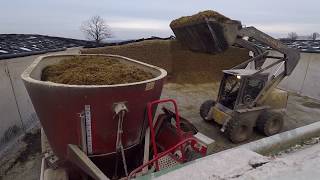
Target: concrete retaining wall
(11, 123)
(17, 113)
(305, 79)
(16, 109)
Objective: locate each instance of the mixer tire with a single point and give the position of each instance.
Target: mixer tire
(205, 108)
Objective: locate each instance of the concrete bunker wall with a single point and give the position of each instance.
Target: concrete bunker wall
(16, 109)
(305, 79)
(17, 113)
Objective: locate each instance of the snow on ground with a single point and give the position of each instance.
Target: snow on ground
(25, 49)
(242, 164)
(3, 51)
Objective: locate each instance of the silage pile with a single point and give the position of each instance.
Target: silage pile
(199, 17)
(183, 65)
(93, 70)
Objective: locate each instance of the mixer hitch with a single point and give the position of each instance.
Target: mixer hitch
(174, 140)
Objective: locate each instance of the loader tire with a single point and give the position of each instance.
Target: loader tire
(270, 123)
(238, 131)
(205, 108)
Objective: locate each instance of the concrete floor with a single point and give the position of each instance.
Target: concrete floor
(300, 110)
(23, 160)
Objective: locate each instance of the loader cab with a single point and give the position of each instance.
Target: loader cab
(240, 87)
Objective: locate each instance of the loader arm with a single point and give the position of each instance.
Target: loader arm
(210, 35)
(258, 53)
(245, 98)
(291, 56)
(290, 59)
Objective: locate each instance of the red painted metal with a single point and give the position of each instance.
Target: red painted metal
(150, 121)
(58, 107)
(168, 137)
(156, 158)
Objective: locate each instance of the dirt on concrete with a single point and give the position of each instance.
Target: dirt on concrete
(26, 162)
(93, 70)
(298, 147)
(32, 140)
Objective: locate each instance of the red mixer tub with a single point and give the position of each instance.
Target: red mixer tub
(84, 115)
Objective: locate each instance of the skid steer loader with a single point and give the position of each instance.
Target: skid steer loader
(247, 96)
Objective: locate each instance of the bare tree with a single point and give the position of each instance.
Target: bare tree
(314, 36)
(293, 36)
(96, 29)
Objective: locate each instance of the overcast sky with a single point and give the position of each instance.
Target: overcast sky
(130, 19)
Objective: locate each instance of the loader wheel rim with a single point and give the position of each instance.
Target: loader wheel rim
(242, 133)
(274, 126)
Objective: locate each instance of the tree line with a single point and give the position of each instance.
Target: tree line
(294, 36)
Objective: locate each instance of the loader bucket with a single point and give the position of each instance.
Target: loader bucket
(212, 33)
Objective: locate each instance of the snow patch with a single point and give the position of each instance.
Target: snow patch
(25, 49)
(31, 37)
(3, 51)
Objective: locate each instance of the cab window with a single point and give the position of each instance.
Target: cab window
(252, 90)
(230, 90)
